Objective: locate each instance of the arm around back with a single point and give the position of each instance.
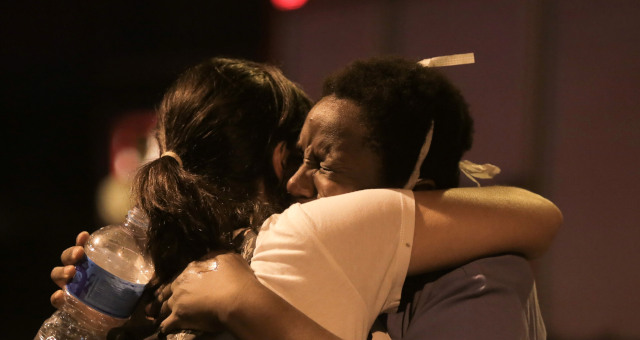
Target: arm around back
(457, 225)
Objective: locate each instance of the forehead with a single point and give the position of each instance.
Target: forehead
(334, 120)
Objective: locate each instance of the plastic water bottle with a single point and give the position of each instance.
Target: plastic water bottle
(107, 286)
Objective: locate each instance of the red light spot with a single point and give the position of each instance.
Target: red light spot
(288, 5)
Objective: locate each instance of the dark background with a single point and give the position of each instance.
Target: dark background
(553, 92)
(68, 70)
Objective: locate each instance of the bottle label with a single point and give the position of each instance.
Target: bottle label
(104, 291)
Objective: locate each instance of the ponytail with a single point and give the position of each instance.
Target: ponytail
(214, 124)
(186, 218)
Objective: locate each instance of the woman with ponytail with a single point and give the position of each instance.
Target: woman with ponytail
(218, 128)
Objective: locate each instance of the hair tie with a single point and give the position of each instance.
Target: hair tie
(473, 170)
(172, 155)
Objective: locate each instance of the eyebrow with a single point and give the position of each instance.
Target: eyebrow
(321, 149)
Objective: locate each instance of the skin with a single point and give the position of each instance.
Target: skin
(337, 161)
(247, 308)
(494, 216)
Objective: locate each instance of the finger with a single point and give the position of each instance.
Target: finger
(147, 299)
(152, 309)
(72, 255)
(165, 292)
(57, 299)
(62, 275)
(82, 238)
(165, 310)
(154, 283)
(168, 325)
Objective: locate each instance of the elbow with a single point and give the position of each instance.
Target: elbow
(556, 221)
(550, 219)
(558, 218)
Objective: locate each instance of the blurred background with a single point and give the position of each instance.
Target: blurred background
(555, 93)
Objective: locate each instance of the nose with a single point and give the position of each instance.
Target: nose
(301, 185)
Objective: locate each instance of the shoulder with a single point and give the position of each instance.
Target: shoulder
(376, 212)
(359, 207)
(367, 200)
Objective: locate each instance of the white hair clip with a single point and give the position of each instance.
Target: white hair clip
(449, 60)
(473, 170)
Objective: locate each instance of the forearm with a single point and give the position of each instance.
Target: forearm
(221, 291)
(262, 314)
(458, 225)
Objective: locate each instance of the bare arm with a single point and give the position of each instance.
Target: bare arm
(223, 290)
(258, 321)
(452, 227)
(458, 225)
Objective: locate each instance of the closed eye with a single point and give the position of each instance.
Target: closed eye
(324, 169)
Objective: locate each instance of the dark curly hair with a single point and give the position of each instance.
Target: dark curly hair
(224, 118)
(399, 100)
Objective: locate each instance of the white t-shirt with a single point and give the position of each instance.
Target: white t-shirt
(341, 260)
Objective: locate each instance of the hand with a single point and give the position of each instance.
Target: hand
(64, 274)
(221, 290)
(205, 293)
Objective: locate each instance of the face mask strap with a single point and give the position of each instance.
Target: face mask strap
(472, 170)
(414, 178)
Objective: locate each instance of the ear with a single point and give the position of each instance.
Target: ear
(280, 154)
